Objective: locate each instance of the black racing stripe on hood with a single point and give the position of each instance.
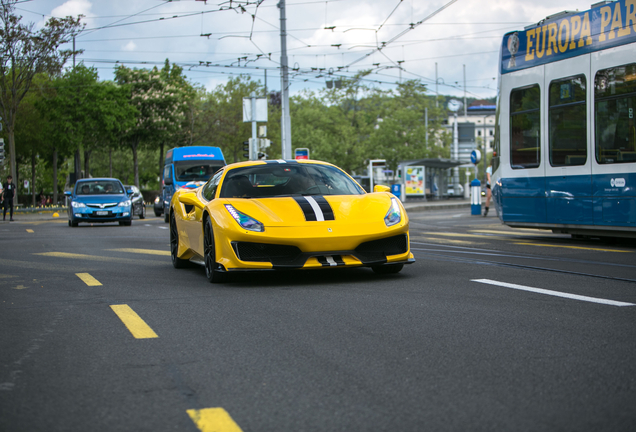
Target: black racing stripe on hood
(308, 211)
(327, 211)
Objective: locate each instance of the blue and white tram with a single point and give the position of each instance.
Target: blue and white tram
(565, 147)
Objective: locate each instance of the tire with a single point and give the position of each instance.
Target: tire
(142, 215)
(177, 262)
(72, 224)
(157, 213)
(125, 223)
(209, 255)
(166, 217)
(387, 268)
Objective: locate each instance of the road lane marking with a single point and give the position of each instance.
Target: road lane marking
(553, 293)
(163, 227)
(88, 279)
(137, 326)
(510, 233)
(29, 230)
(81, 256)
(213, 420)
(142, 251)
(572, 247)
(445, 240)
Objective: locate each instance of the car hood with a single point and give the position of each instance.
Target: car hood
(100, 199)
(297, 211)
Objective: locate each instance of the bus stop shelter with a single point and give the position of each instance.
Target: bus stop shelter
(435, 175)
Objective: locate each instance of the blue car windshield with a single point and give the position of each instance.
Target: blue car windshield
(98, 187)
(278, 180)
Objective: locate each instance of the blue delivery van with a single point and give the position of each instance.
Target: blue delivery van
(188, 167)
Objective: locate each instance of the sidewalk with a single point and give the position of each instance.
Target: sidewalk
(444, 204)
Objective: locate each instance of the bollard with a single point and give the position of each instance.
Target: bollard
(475, 198)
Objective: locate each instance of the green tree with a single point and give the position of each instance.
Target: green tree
(160, 109)
(26, 53)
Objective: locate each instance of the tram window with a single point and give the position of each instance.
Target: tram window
(614, 110)
(568, 122)
(525, 127)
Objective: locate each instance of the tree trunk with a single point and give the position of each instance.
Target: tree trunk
(87, 163)
(14, 170)
(54, 177)
(160, 158)
(110, 162)
(135, 164)
(33, 178)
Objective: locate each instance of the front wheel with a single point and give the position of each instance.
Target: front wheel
(209, 252)
(177, 262)
(143, 211)
(387, 268)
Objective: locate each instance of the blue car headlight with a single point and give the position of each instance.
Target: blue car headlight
(394, 215)
(125, 203)
(76, 204)
(244, 220)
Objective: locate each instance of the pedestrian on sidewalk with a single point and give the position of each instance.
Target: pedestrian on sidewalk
(7, 195)
(488, 190)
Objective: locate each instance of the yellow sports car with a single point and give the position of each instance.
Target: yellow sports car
(287, 214)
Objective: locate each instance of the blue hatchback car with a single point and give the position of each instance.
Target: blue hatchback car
(99, 200)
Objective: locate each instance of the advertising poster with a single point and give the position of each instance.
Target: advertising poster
(414, 181)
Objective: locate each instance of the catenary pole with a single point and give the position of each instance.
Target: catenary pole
(285, 123)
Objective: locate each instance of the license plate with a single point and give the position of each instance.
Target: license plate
(101, 213)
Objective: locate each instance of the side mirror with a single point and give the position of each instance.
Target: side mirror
(129, 191)
(190, 199)
(167, 181)
(381, 188)
(68, 193)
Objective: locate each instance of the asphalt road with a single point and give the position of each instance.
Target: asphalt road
(491, 329)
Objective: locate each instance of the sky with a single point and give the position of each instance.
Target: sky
(326, 40)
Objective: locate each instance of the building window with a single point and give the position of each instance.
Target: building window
(525, 127)
(614, 111)
(568, 122)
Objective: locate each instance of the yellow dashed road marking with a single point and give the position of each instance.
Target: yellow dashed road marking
(29, 230)
(510, 233)
(88, 279)
(143, 251)
(444, 240)
(572, 247)
(213, 420)
(137, 326)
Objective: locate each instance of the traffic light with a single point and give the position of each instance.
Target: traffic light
(262, 155)
(1, 151)
(246, 149)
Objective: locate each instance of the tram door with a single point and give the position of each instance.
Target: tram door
(568, 159)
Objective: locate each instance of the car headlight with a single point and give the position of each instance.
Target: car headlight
(244, 220)
(76, 204)
(394, 215)
(125, 203)
(157, 200)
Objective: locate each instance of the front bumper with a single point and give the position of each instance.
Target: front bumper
(87, 214)
(240, 252)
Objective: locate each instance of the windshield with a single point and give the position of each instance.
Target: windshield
(98, 187)
(276, 180)
(187, 171)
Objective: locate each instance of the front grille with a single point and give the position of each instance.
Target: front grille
(379, 249)
(101, 206)
(264, 252)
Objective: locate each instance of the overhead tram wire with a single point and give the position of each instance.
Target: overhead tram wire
(399, 35)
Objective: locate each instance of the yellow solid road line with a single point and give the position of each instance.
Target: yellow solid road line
(81, 256)
(137, 326)
(572, 247)
(142, 251)
(213, 420)
(88, 279)
(29, 230)
(512, 233)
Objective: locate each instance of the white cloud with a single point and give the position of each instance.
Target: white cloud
(73, 8)
(130, 46)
